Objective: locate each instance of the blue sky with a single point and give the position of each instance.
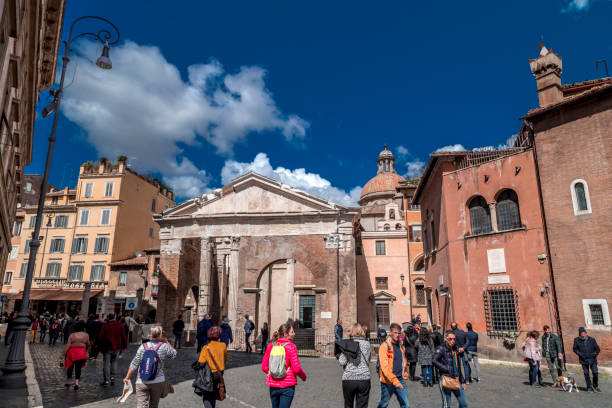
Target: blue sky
(308, 92)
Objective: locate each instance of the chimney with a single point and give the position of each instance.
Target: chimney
(547, 70)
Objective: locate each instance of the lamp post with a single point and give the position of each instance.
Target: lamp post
(13, 372)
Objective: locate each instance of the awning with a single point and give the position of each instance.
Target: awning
(61, 294)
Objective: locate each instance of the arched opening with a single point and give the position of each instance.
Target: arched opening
(508, 215)
(420, 265)
(190, 314)
(387, 227)
(480, 216)
(580, 197)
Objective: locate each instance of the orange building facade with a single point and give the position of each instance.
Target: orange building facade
(389, 261)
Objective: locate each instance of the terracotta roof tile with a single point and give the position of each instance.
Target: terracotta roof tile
(381, 183)
(137, 260)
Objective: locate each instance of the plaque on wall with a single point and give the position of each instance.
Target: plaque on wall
(493, 280)
(325, 315)
(497, 261)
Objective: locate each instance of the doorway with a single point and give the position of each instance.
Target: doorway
(307, 311)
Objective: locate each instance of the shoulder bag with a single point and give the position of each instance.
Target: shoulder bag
(221, 395)
(451, 383)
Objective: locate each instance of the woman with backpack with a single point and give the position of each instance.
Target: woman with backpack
(149, 362)
(215, 355)
(282, 365)
(76, 354)
(356, 375)
(425, 352)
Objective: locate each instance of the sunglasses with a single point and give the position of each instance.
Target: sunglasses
(452, 338)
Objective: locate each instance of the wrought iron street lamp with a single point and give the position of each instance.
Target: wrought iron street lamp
(13, 372)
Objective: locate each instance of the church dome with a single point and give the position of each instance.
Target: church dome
(385, 182)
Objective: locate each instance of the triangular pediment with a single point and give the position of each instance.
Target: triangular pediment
(382, 295)
(253, 193)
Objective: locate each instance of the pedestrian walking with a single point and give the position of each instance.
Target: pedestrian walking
(33, 330)
(354, 358)
(265, 335)
(202, 333)
(54, 331)
(586, 349)
(75, 352)
(177, 329)
(532, 353)
(112, 340)
(338, 330)
(215, 355)
(151, 383)
(425, 352)
(451, 381)
(145, 330)
(461, 344)
(226, 332)
(438, 340)
(393, 369)
(249, 326)
(410, 346)
(282, 365)
(551, 351)
(44, 328)
(472, 351)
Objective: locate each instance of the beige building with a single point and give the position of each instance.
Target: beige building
(107, 218)
(30, 32)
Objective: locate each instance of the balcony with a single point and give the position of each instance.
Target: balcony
(64, 283)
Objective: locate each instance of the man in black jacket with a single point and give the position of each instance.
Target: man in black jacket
(438, 339)
(448, 363)
(462, 343)
(587, 350)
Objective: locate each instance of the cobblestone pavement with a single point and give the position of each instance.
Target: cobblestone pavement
(502, 387)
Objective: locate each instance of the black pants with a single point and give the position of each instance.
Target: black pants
(593, 367)
(210, 398)
(356, 393)
(76, 366)
(248, 343)
(412, 369)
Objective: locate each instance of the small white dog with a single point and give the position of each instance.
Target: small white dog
(567, 383)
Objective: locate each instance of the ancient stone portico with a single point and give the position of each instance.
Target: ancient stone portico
(261, 248)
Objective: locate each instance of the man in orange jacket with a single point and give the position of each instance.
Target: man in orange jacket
(393, 372)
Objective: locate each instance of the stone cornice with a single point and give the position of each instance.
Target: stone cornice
(384, 234)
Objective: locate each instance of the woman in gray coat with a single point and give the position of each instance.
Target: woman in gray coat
(425, 352)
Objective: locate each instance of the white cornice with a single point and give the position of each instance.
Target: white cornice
(384, 234)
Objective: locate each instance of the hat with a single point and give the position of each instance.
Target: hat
(581, 329)
(226, 320)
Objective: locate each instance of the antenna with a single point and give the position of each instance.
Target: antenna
(604, 63)
(541, 44)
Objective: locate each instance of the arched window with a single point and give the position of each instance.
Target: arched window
(420, 266)
(580, 197)
(480, 216)
(387, 227)
(508, 216)
(391, 214)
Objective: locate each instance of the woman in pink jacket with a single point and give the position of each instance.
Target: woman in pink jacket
(532, 352)
(282, 390)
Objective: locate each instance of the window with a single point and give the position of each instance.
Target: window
(501, 310)
(596, 312)
(17, 228)
(53, 270)
(156, 267)
(32, 221)
(154, 290)
(88, 193)
(122, 278)
(97, 273)
(61, 221)
(54, 200)
(480, 216)
(8, 277)
(79, 245)
(101, 245)
(153, 205)
(420, 266)
(150, 232)
(580, 197)
(108, 188)
(382, 315)
(105, 216)
(57, 245)
(391, 214)
(415, 233)
(24, 269)
(14, 252)
(380, 247)
(307, 311)
(75, 272)
(419, 291)
(507, 208)
(26, 248)
(387, 227)
(382, 283)
(28, 187)
(84, 217)
(432, 235)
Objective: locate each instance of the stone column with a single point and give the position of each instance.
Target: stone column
(264, 298)
(206, 245)
(493, 211)
(85, 301)
(290, 284)
(232, 295)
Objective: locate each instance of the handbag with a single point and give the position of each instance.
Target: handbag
(221, 394)
(451, 383)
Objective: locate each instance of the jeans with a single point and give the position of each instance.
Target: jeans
(210, 397)
(534, 367)
(387, 390)
(473, 357)
(282, 397)
(467, 370)
(554, 366)
(177, 339)
(43, 334)
(427, 372)
(110, 365)
(356, 393)
(53, 337)
(593, 367)
(248, 343)
(446, 396)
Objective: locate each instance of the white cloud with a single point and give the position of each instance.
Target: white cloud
(144, 109)
(414, 168)
(402, 151)
(451, 148)
(577, 5)
(298, 178)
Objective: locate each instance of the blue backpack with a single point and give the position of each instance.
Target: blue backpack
(149, 365)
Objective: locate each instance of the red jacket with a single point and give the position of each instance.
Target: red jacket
(114, 332)
(293, 366)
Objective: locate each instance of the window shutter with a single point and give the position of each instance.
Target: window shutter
(75, 245)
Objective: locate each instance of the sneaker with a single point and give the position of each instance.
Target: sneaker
(590, 389)
(597, 389)
(104, 384)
